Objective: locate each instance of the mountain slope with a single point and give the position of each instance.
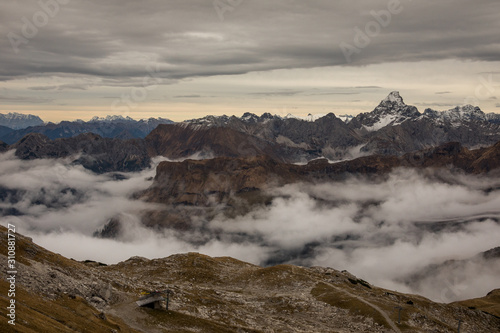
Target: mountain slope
(490, 303)
(184, 140)
(215, 295)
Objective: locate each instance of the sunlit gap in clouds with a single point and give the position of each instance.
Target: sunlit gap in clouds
(387, 231)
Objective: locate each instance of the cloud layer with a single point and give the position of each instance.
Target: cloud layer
(119, 39)
(389, 232)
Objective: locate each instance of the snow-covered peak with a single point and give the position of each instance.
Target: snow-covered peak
(394, 98)
(249, 117)
(458, 114)
(394, 105)
(109, 119)
(466, 111)
(493, 118)
(16, 120)
(391, 111)
(209, 121)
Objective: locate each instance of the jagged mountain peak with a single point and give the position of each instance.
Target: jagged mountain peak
(392, 110)
(394, 104)
(394, 98)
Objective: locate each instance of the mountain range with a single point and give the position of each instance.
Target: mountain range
(392, 128)
(109, 127)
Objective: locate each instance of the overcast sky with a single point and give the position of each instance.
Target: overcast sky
(182, 59)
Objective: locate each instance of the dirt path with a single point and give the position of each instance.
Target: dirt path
(382, 312)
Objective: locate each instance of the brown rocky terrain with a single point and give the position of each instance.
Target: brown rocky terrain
(217, 180)
(55, 294)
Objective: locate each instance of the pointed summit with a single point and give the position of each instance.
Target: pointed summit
(394, 98)
(391, 111)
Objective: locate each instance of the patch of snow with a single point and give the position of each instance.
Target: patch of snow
(383, 122)
(345, 118)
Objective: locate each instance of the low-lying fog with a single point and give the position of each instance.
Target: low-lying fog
(389, 233)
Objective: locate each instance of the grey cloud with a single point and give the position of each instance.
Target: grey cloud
(62, 87)
(118, 39)
(25, 99)
(43, 88)
(188, 96)
(335, 93)
(277, 93)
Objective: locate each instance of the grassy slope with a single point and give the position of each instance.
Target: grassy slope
(489, 303)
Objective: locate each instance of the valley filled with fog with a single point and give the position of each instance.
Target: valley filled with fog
(412, 231)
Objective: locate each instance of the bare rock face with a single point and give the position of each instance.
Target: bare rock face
(111, 229)
(200, 182)
(219, 295)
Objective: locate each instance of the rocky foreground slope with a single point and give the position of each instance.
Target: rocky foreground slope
(56, 294)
